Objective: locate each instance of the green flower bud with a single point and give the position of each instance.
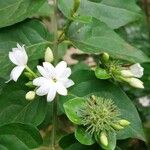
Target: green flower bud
(117, 127)
(30, 84)
(105, 57)
(30, 95)
(76, 5)
(49, 55)
(135, 83)
(28, 75)
(123, 122)
(103, 139)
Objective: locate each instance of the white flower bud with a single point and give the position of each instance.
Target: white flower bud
(49, 55)
(126, 73)
(137, 70)
(135, 83)
(103, 139)
(30, 95)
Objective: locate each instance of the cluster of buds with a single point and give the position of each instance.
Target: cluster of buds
(131, 74)
(101, 116)
(112, 69)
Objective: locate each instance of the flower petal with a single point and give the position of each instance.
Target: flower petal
(61, 89)
(60, 68)
(68, 83)
(66, 73)
(43, 90)
(40, 81)
(16, 72)
(51, 94)
(49, 68)
(42, 71)
(137, 70)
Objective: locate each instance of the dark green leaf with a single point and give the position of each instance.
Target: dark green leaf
(13, 11)
(28, 134)
(15, 108)
(84, 137)
(107, 11)
(96, 37)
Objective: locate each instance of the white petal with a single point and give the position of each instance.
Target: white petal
(60, 68)
(137, 70)
(18, 56)
(16, 72)
(66, 73)
(68, 83)
(61, 89)
(40, 81)
(43, 90)
(49, 68)
(42, 71)
(13, 58)
(51, 94)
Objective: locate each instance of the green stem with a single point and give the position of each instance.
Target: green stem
(55, 52)
(29, 70)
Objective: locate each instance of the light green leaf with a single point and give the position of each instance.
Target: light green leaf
(27, 134)
(96, 37)
(101, 73)
(13, 11)
(83, 137)
(31, 33)
(75, 105)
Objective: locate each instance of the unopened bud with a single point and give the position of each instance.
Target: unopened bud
(28, 75)
(135, 83)
(123, 122)
(49, 55)
(30, 95)
(76, 5)
(103, 139)
(30, 84)
(126, 73)
(117, 127)
(105, 57)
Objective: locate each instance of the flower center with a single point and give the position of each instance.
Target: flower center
(54, 79)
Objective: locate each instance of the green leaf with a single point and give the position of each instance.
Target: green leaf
(96, 37)
(13, 11)
(15, 108)
(110, 91)
(28, 134)
(11, 142)
(102, 73)
(32, 34)
(107, 11)
(75, 105)
(83, 137)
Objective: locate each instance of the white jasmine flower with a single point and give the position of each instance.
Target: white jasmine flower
(54, 79)
(137, 70)
(135, 83)
(19, 57)
(144, 101)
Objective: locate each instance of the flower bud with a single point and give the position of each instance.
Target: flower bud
(30, 95)
(123, 122)
(117, 127)
(126, 73)
(103, 139)
(76, 5)
(49, 55)
(135, 83)
(29, 75)
(105, 57)
(30, 84)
